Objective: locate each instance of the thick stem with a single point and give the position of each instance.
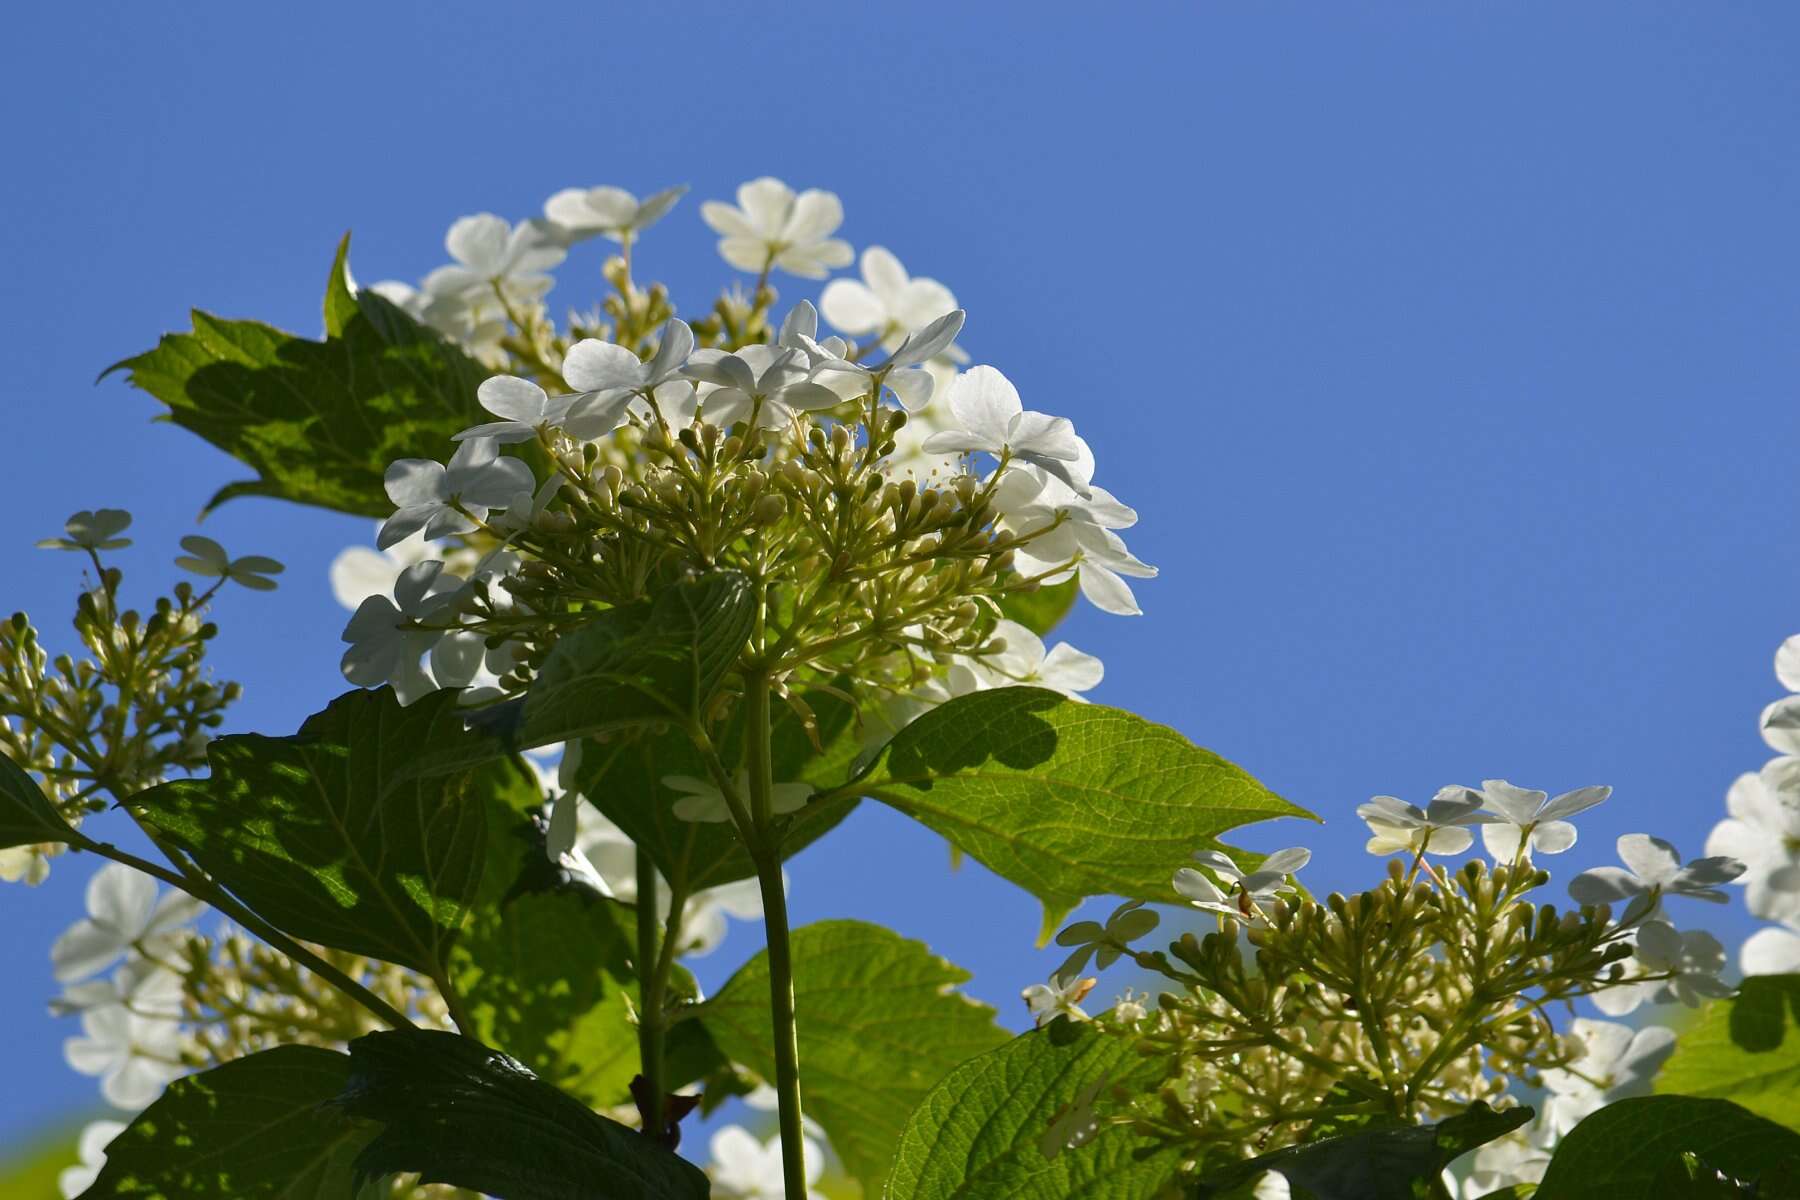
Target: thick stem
(766, 852)
(650, 1000)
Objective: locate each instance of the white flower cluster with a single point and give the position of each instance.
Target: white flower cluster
(1764, 830)
(1040, 474)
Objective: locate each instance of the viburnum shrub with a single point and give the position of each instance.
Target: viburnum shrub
(657, 597)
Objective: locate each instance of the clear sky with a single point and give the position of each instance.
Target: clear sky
(1449, 351)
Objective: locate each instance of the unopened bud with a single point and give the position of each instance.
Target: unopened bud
(769, 509)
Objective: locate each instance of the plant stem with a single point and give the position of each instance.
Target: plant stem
(766, 853)
(650, 999)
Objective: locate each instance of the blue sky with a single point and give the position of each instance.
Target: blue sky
(1448, 351)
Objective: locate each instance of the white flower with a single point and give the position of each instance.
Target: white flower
(909, 372)
(1693, 959)
(1615, 1062)
(1780, 724)
(488, 251)
(26, 863)
(1101, 943)
(744, 1168)
(769, 383)
(701, 801)
(145, 987)
(608, 378)
(1532, 816)
(1522, 1156)
(135, 1056)
(582, 213)
(1023, 660)
(1069, 533)
(428, 493)
(97, 530)
(1787, 663)
(1244, 896)
(522, 406)
(92, 1151)
(989, 418)
(1654, 866)
(359, 572)
(1061, 997)
(1771, 951)
(385, 644)
(772, 227)
(1762, 832)
(124, 912)
(1439, 828)
(207, 558)
(887, 303)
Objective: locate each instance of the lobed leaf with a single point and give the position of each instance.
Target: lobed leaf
(459, 1113)
(980, 1133)
(319, 422)
(26, 814)
(879, 1026)
(252, 1129)
(1623, 1151)
(1065, 799)
(320, 835)
(1745, 1049)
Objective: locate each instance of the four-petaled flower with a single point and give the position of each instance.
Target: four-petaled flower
(1531, 818)
(1245, 896)
(766, 383)
(385, 640)
(135, 1056)
(96, 530)
(1762, 832)
(488, 251)
(772, 227)
(1613, 1062)
(581, 213)
(1061, 997)
(887, 302)
(1439, 828)
(701, 801)
(1104, 943)
(124, 912)
(1022, 659)
(207, 558)
(608, 378)
(431, 495)
(1653, 868)
(523, 407)
(990, 419)
(1071, 534)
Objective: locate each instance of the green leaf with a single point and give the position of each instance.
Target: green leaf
(661, 660)
(549, 979)
(252, 1129)
(1375, 1164)
(462, 1114)
(314, 833)
(879, 1026)
(1745, 1049)
(319, 422)
(1067, 800)
(623, 779)
(980, 1133)
(26, 814)
(1042, 610)
(1619, 1152)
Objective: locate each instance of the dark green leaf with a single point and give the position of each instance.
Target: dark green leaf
(313, 832)
(252, 1129)
(657, 661)
(549, 978)
(1042, 610)
(1619, 1152)
(1745, 1049)
(879, 1026)
(319, 422)
(26, 815)
(1065, 799)
(623, 779)
(981, 1132)
(1375, 1164)
(462, 1114)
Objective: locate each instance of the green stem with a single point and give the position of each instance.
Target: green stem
(766, 853)
(650, 1000)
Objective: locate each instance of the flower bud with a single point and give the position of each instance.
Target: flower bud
(769, 509)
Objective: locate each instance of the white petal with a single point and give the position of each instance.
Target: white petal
(1552, 837)
(1452, 839)
(592, 365)
(1787, 664)
(84, 948)
(513, 398)
(816, 214)
(984, 402)
(414, 481)
(1570, 803)
(851, 307)
(1650, 858)
(479, 243)
(766, 202)
(1771, 951)
(726, 220)
(1501, 840)
(1781, 725)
